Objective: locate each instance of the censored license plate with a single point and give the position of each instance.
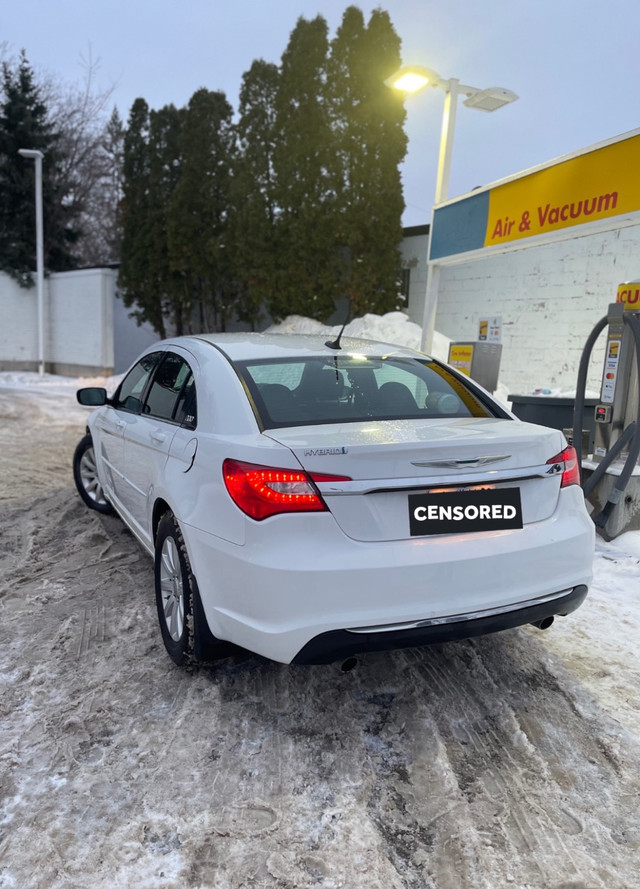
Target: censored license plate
(455, 512)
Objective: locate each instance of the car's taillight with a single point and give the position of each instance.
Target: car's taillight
(571, 471)
(263, 491)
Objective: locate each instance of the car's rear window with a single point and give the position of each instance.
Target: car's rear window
(348, 388)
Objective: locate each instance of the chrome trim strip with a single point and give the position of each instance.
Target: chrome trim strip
(463, 464)
(458, 618)
(484, 476)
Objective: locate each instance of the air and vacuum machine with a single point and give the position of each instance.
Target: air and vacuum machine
(611, 474)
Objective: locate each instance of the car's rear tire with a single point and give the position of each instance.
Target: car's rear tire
(85, 475)
(183, 624)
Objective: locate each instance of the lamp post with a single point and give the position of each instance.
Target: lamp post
(411, 79)
(37, 156)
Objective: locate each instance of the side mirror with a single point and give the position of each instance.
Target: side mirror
(92, 396)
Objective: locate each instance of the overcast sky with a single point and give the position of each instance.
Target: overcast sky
(574, 64)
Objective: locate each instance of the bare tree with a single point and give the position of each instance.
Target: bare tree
(90, 144)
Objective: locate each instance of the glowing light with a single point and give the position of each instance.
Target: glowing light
(410, 82)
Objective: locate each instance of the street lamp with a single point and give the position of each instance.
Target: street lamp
(37, 156)
(411, 79)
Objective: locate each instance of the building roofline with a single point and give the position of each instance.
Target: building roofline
(414, 231)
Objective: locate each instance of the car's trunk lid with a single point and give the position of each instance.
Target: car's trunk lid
(389, 461)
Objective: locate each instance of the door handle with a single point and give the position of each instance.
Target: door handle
(120, 424)
(158, 436)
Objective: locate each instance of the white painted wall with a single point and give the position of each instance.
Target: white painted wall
(87, 328)
(414, 251)
(129, 338)
(80, 323)
(550, 298)
(18, 325)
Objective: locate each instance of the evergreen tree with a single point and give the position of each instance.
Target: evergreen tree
(165, 160)
(198, 213)
(252, 241)
(177, 162)
(367, 122)
(25, 123)
(303, 209)
(304, 228)
(111, 193)
(140, 279)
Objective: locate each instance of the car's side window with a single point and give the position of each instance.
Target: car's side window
(170, 389)
(186, 411)
(129, 395)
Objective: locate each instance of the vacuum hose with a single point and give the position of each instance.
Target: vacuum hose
(630, 434)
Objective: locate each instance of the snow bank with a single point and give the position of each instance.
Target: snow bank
(561, 393)
(394, 327)
(52, 384)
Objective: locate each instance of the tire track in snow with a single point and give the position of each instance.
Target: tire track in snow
(475, 765)
(92, 628)
(499, 771)
(526, 829)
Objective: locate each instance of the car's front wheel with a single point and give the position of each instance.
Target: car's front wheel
(85, 475)
(183, 625)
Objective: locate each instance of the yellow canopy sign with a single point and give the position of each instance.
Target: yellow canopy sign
(598, 184)
(601, 183)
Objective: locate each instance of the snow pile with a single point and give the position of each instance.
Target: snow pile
(599, 642)
(562, 393)
(394, 327)
(52, 384)
(55, 395)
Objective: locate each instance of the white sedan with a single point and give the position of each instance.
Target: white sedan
(310, 500)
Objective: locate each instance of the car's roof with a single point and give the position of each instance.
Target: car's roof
(250, 346)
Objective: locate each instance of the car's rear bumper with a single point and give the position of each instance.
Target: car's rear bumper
(341, 644)
(298, 579)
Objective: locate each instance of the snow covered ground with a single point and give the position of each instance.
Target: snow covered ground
(507, 761)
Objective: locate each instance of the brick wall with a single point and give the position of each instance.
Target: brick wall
(549, 296)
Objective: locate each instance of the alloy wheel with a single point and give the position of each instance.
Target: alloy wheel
(171, 588)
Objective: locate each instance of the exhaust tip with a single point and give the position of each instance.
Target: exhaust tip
(348, 664)
(543, 624)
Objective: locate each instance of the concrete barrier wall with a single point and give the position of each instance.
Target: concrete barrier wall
(18, 325)
(81, 321)
(87, 328)
(129, 338)
(78, 323)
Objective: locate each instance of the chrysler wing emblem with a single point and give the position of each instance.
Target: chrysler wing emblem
(463, 464)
